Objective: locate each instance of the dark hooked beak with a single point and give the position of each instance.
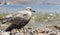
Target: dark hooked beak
(33, 11)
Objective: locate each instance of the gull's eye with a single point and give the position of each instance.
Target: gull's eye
(30, 9)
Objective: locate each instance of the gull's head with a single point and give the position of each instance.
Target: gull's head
(30, 9)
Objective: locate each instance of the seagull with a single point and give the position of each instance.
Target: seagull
(18, 19)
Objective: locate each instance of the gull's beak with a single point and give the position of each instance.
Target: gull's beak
(33, 11)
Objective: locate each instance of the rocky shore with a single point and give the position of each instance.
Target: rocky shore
(50, 29)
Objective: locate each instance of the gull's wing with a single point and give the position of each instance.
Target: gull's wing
(17, 21)
(1, 19)
(6, 18)
(12, 17)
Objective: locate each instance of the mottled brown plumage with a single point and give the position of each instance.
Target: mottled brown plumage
(19, 19)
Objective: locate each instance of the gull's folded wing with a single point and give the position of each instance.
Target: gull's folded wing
(6, 18)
